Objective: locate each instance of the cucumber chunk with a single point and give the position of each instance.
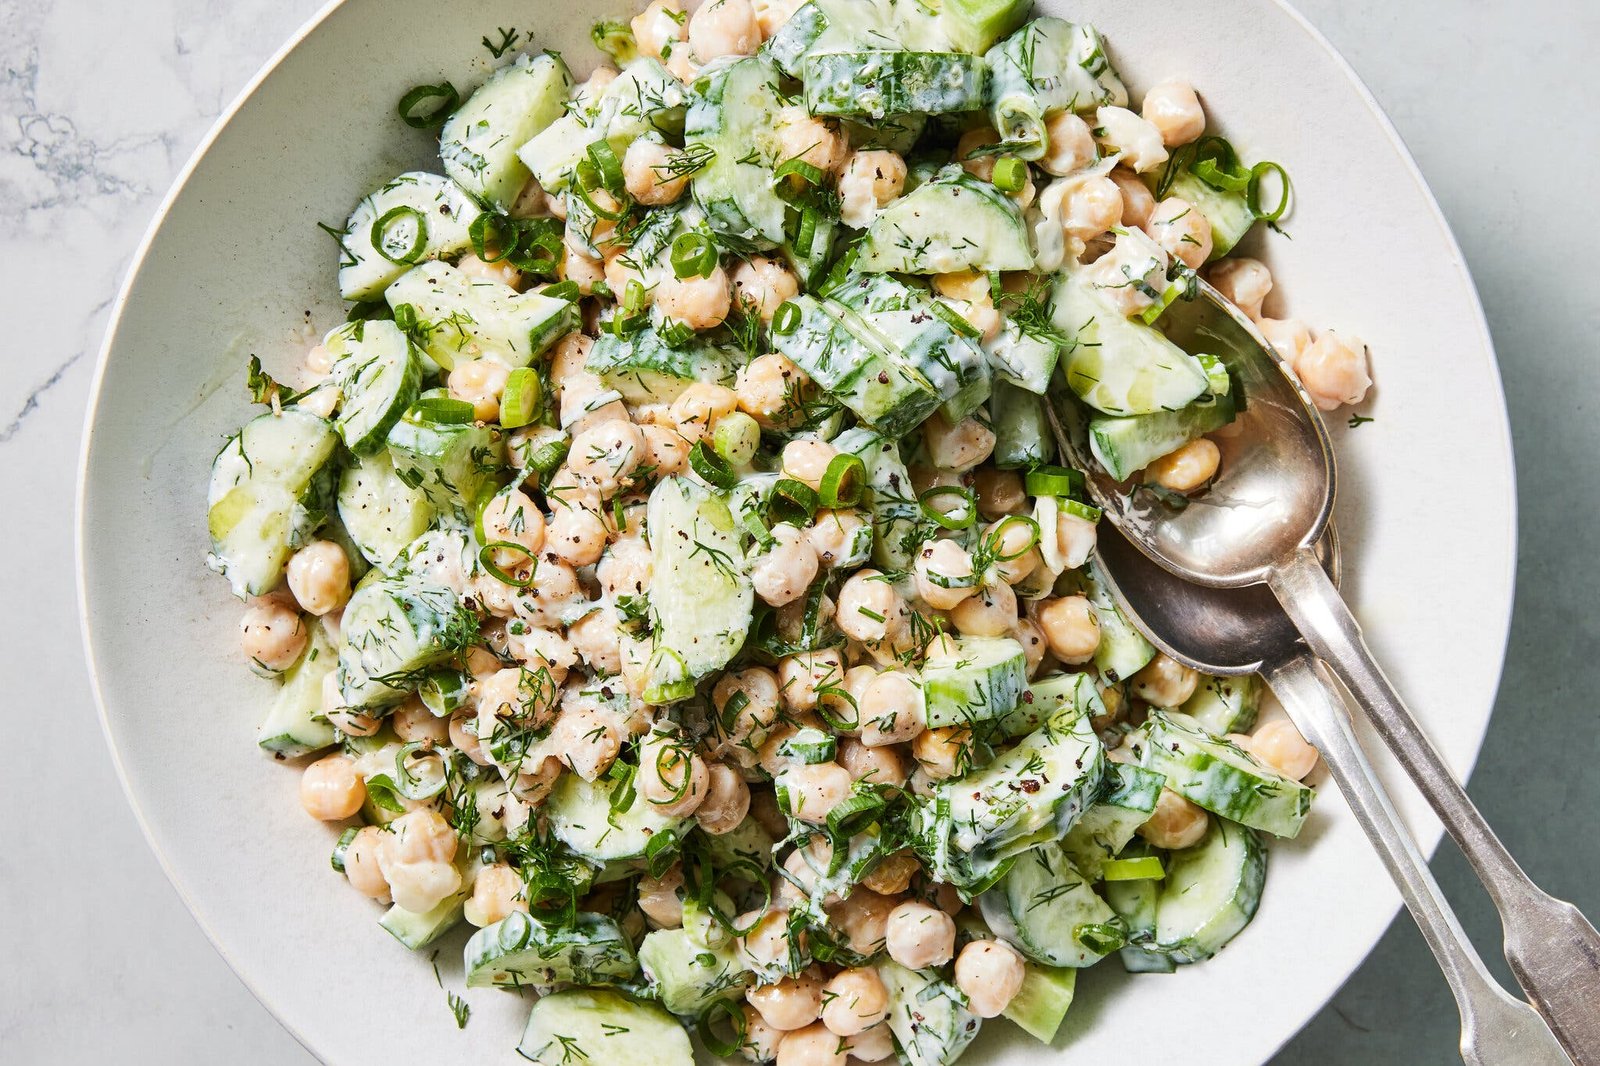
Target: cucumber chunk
(454, 464)
(580, 816)
(479, 143)
(1126, 445)
(1023, 359)
(733, 114)
(1135, 903)
(952, 223)
(416, 217)
(601, 1027)
(1228, 212)
(1224, 779)
(1116, 365)
(1211, 892)
(890, 497)
(1048, 65)
(795, 38)
(687, 976)
(381, 512)
(521, 951)
(973, 681)
(295, 725)
(975, 25)
(393, 629)
(643, 99)
(1130, 795)
(465, 319)
(1223, 705)
(1062, 696)
(418, 931)
(1041, 1004)
(876, 84)
(1021, 429)
(268, 494)
(644, 368)
(700, 596)
(929, 1018)
(380, 375)
(1050, 912)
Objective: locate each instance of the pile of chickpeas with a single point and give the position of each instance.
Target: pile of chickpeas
(584, 527)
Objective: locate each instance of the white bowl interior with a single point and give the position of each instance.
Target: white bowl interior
(238, 266)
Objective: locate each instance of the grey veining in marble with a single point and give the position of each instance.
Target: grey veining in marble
(100, 104)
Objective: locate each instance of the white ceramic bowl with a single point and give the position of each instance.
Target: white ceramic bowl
(235, 265)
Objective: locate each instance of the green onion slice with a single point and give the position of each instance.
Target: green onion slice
(426, 106)
(444, 692)
(786, 319)
(1253, 192)
(792, 501)
(442, 410)
(1079, 509)
(411, 784)
(676, 334)
(1143, 868)
(758, 529)
(712, 468)
(721, 1010)
(1102, 938)
(392, 218)
(693, 256)
(523, 399)
(490, 229)
(548, 457)
(992, 542)
(1010, 174)
(1053, 481)
(950, 506)
(805, 234)
(486, 560)
(608, 167)
(562, 290)
(809, 173)
(587, 196)
(843, 481)
(736, 437)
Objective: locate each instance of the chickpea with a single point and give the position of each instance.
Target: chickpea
(767, 942)
(1175, 823)
(999, 492)
(511, 517)
(989, 973)
(496, 892)
(661, 898)
(415, 724)
(807, 460)
(671, 776)
(361, 864)
(1243, 281)
(943, 574)
(595, 638)
(700, 405)
(882, 765)
(1028, 633)
(815, 789)
(772, 14)
(498, 272)
(1290, 337)
(1137, 141)
(801, 676)
(577, 531)
(991, 613)
(331, 790)
(648, 172)
(793, 1003)
(588, 738)
(944, 752)
(783, 572)
(1075, 538)
(891, 710)
(1093, 206)
(1187, 467)
(869, 608)
(319, 577)
(517, 693)
(1071, 628)
(1279, 745)
(534, 786)
(855, 1000)
(626, 568)
(812, 1046)
(723, 28)
(764, 284)
(480, 383)
(893, 873)
(416, 857)
(833, 535)
(872, 179)
(760, 1039)
(1334, 371)
(872, 1045)
(727, 801)
(659, 27)
(957, 447)
(771, 389)
(983, 316)
(580, 268)
(666, 450)
(1138, 203)
(700, 303)
(968, 147)
(1069, 145)
(272, 635)
(1172, 108)
(1180, 229)
(800, 136)
(1016, 550)
(863, 918)
(604, 457)
(1164, 682)
(920, 936)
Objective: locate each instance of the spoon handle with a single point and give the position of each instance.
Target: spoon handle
(1496, 1029)
(1553, 949)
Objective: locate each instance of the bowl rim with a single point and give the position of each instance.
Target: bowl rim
(1429, 836)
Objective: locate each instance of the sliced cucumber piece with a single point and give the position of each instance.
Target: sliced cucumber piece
(393, 629)
(975, 25)
(1050, 912)
(1023, 359)
(733, 114)
(1210, 893)
(1116, 365)
(700, 596)
(1223, 705)
(1135, 903)
(929, 1018)
(1021, 429)
(380, 375)
(645, 98)
(1040, 1005)
(580, 816)
(1224, 779)
(269, 492)
(418, 931)
(521, 951)
(600, 1027)
(795, 38)
(479, 142)
(454, 464)
(687, 976)
(1054, 696)
(1130, 794)
(972, 681)
(876, 84)
(952, 223)
(381, 513)
(644, 368)
(891, 499)
(1228, 212)
(1048, 65)
(466, 319)
(1126, 445)
(415, 217)
(296, 726)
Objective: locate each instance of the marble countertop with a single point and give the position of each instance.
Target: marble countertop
(102, 104)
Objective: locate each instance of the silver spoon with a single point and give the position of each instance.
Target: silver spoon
(1244, 631)
(1259, 523)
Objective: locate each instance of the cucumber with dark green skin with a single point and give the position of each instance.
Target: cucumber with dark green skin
(295, 725)
(478, 143)
(580, 816)
(1210, 893)
(462, 318)
(1135, 903)
(381, 513)
(1023, 359)
(522, 951)
(1022, 437)
(1051, 696)
(643, 99)
(973, 681)
(1224, 705)
(929, 1018)
(793, 42)
(644, 368)
(393, 629)
(1105, 829)
(1046, 66)
(890, 498)
(380, 374)
(1126, 445)
(1042, 907)
(732, 114)
(454, 464)
(952, 223)
(687, 976)
(1224, 779)
(877, 84)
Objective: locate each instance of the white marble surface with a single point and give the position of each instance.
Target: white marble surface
(101, 104)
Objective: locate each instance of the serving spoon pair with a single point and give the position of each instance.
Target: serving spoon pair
(1244, 579)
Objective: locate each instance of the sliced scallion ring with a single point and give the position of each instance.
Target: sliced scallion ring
(721, 1010)
(1053, 481)
(792, 501)
(693, 256)
(1010, 174)
(442, 410)
(607, 166)
(843, 481)
(992, 541)
(426, 106)
(490, 230)
(411, 784)
(486, 560)
(786, 319)
(387, 222)
(949, 506)
(1253, 192)
(1143, 868)
(587, 196)
(548, 457)
(1210, 172)
(523, 399)
(1079, 509)
(809, 173)
(736, 437)
(758, 529)
(805, 234)
(712, 468)
(675, 334)
(562, 290)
